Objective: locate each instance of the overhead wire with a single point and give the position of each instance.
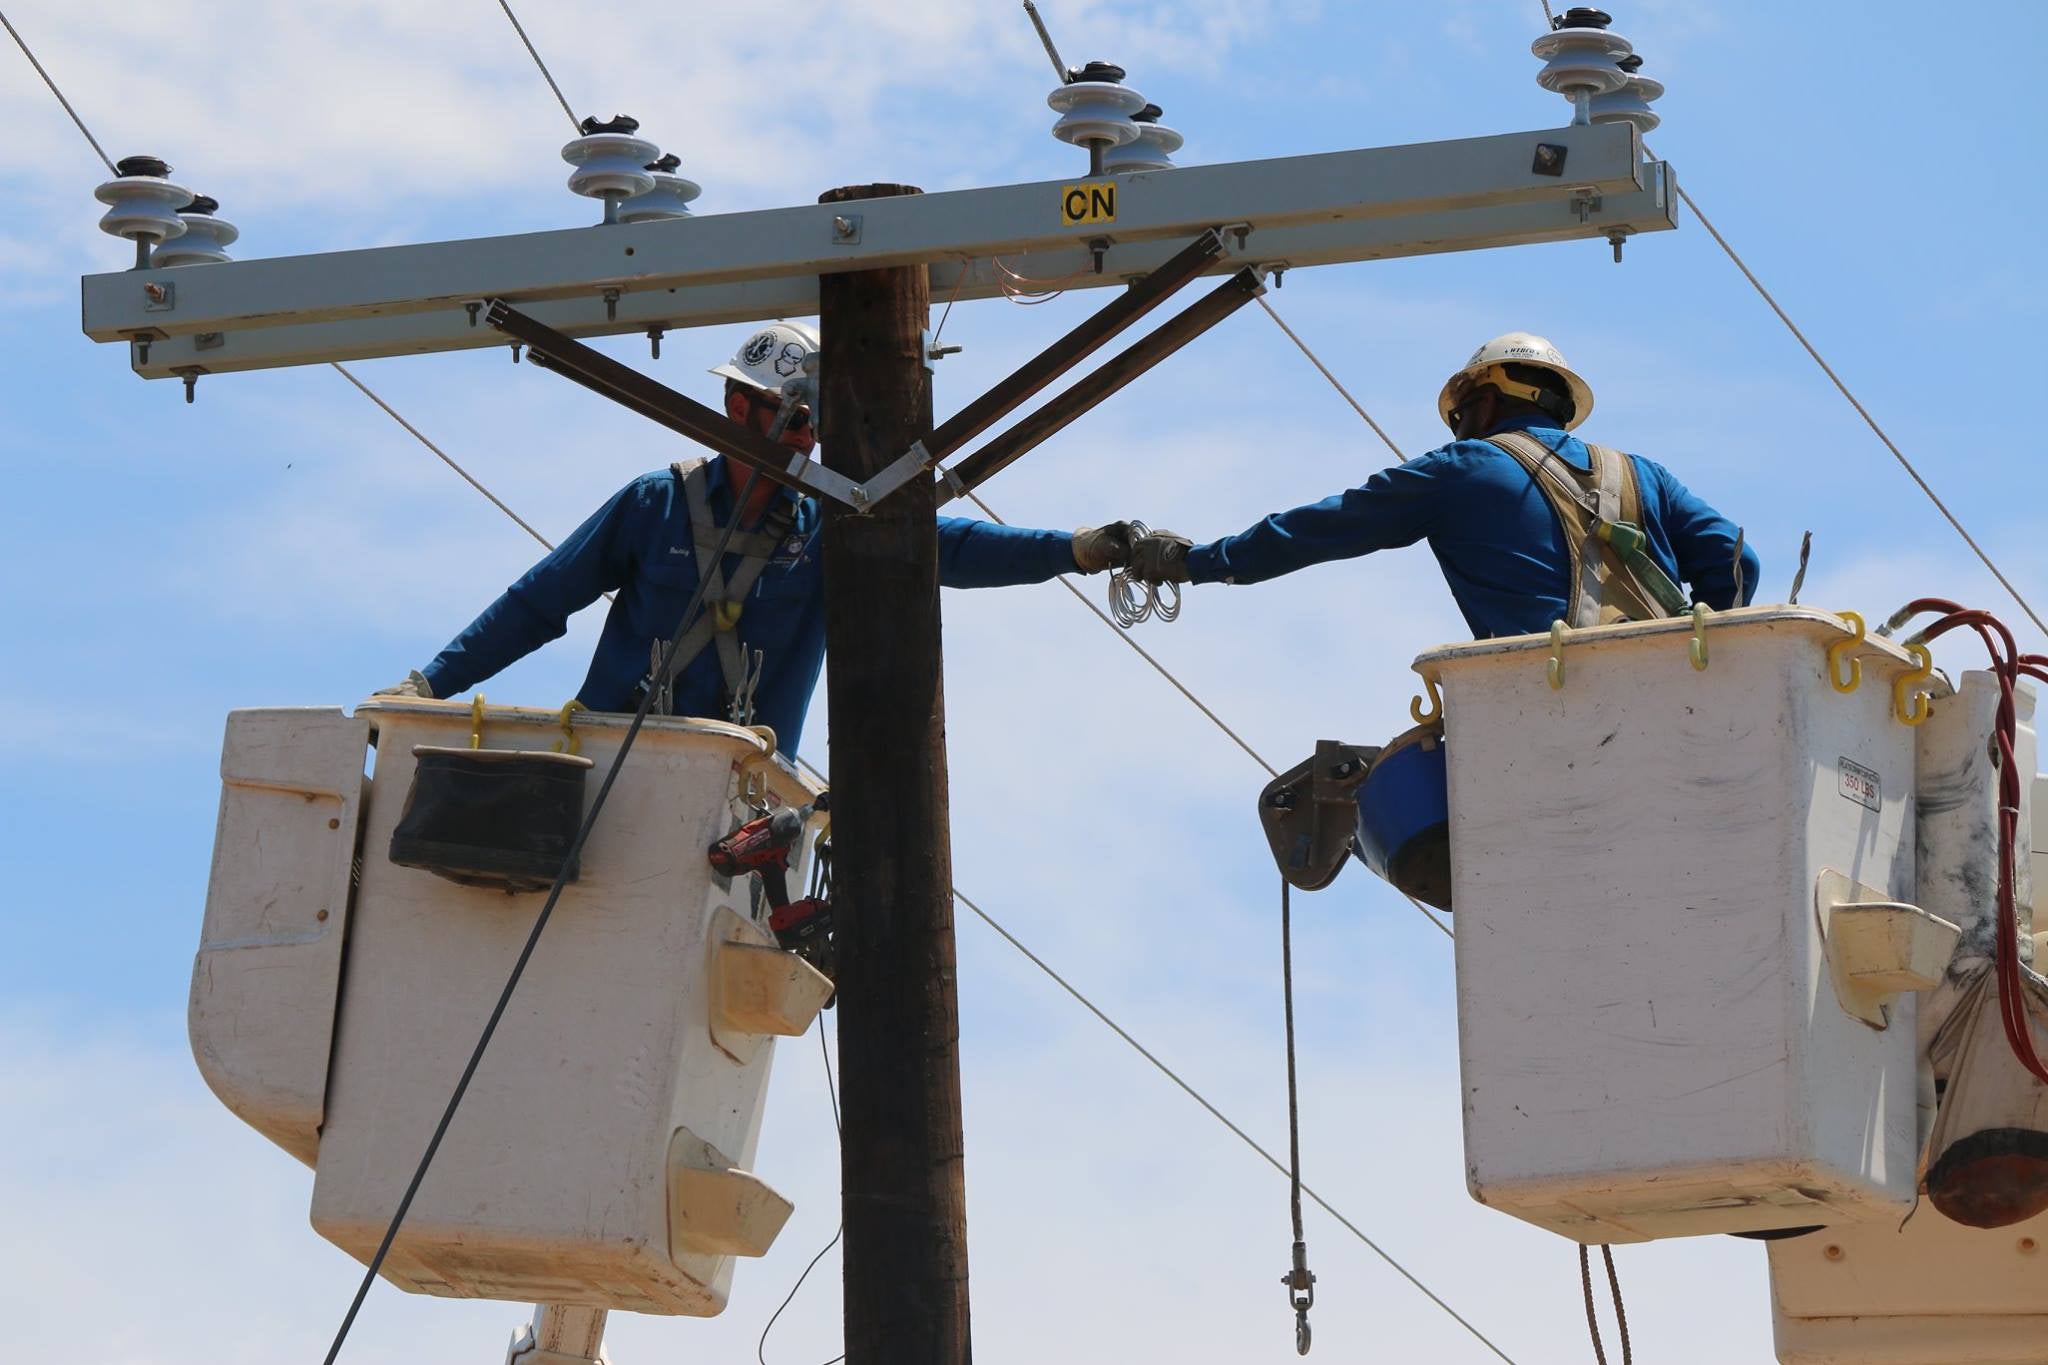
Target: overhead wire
(545, 74)
(22, 43)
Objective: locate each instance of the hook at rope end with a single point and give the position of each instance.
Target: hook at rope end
(1301, 1296)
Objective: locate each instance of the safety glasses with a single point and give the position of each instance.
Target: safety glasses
(799, 420)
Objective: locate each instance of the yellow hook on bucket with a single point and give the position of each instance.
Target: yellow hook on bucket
(569, 743)
(1838, 652)
(1435, 711)
(1697, 646)
(476, 721)
(1911, 706)
(1554, 670)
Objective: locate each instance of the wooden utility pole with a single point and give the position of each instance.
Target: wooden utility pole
(901, 1163)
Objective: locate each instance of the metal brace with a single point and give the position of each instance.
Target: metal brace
(1585, 202)
(906, 467)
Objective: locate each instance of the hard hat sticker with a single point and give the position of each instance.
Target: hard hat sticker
(1093, 202)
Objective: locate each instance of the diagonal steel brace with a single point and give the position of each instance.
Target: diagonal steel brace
(1114, 373)
(598, 372)
(1144, 294)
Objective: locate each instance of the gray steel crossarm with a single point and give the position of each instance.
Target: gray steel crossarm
(1291, 247)
(1334, 188)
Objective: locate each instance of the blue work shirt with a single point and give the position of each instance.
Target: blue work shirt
(640, 546)
(1495, 535)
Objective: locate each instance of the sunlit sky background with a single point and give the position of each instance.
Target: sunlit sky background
(282, 542)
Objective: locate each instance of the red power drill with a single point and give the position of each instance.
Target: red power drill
(762, 846)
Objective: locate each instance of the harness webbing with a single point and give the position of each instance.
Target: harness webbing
(1602, 587)
(724, 598)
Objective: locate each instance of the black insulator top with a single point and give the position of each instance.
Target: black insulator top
(620, 123)
(1149, 114)
(1101, 71)
(667, 163)
(1583, 17)
(202, 204)
(1631, 63)
(142, 165)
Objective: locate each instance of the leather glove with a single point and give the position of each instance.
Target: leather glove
(415, 685)
(1160, 557)
(1102, 547)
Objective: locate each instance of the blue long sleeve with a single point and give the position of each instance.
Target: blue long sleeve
(1702, 542)
(985, 554)
(589, 563)
(1395, 507)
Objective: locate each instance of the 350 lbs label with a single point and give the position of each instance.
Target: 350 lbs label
(1861, 785)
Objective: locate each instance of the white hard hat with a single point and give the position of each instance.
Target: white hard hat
(771, 355)
(1515, 348)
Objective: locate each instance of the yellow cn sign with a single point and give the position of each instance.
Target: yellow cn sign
(1094, 202)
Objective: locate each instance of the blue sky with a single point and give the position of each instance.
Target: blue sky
(282, 542)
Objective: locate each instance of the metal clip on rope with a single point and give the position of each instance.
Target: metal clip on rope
(1131, 602)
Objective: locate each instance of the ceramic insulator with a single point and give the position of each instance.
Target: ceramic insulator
(1154, 149)
(1631, 103)
(670, 197)
(1096, 107)
(142, 202)
(610, 162)
(1582, 57)
(205, 239)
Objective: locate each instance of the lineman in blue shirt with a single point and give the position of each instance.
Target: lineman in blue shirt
(1522, 516)
(759, 644)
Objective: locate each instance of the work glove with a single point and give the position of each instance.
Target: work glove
(1102, 547)
(1159, 557)
(415, 685)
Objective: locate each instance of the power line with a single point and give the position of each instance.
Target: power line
(1861, 411)
(545, 74)
(1198, 1097)
(23, 45)
(1316, 361)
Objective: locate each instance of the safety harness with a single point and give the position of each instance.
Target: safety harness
(1613, 578)
(724, 598)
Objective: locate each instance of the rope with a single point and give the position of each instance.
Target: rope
(540, 923)
(1592, 1317)
(1132, 602)
(831, 1090)
(1300, 1282)
(545, 74)
(23, 45)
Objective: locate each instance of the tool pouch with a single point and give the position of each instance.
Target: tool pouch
(500, 818)
(1309, 813)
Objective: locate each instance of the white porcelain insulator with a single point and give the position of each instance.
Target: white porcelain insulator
(1582, 60)
(670, 198)
(142, 207)
(205, 242)
(610, 165)
(1153, 151)
(1095, 111)
(1630, 104)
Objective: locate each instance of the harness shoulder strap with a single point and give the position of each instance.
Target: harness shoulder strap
(723, 598)
(1602, 589)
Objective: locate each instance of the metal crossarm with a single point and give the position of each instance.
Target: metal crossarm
(716, 268)
(626, 386)
(1176, 332)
